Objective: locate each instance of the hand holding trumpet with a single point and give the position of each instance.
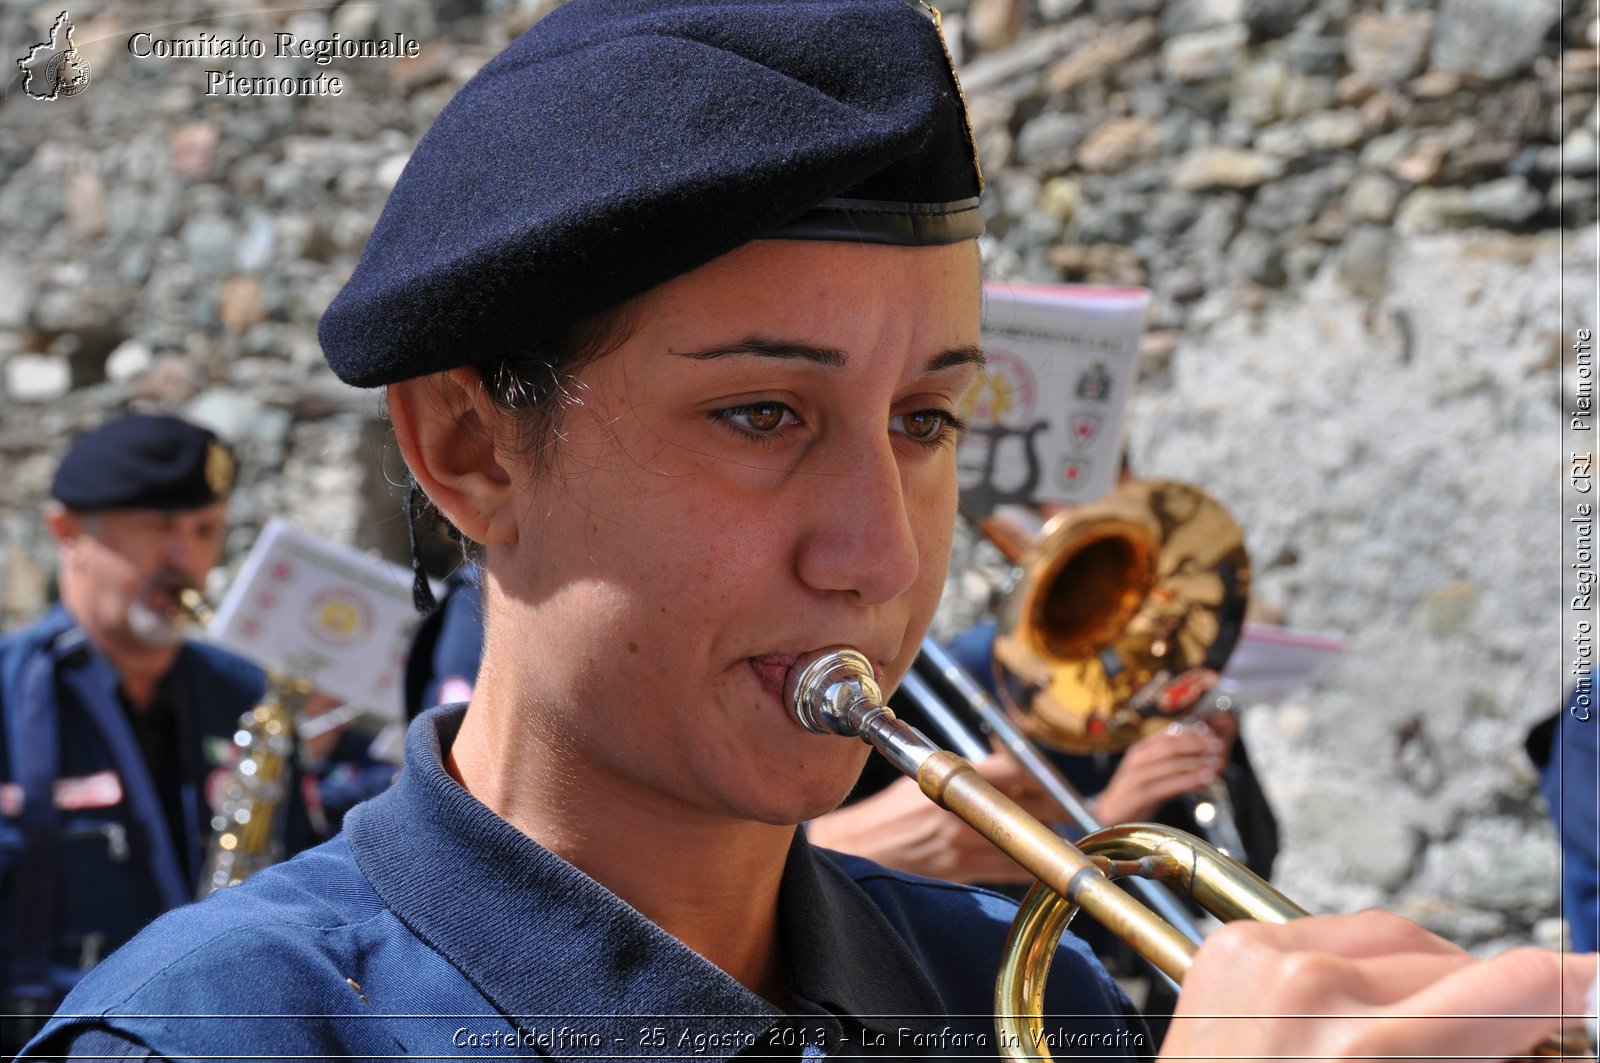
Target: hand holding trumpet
(1370, 986)
(1166, 765)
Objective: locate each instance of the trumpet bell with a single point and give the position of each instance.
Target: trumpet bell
(1125, 612)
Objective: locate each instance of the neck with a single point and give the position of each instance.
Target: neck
(709, 881)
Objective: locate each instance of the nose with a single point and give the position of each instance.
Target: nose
(861, 537)
(183, 551)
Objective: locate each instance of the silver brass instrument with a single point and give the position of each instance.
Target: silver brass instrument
(1120, 622)
(248, 819)
(833, 692)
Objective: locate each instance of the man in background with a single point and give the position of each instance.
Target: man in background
(114, 721)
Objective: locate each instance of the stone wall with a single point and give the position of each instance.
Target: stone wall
(1367, 227)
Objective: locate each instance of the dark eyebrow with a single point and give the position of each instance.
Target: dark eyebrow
(956, 356)
(833, 358)
(766, 347)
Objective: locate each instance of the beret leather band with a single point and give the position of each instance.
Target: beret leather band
(883, 222)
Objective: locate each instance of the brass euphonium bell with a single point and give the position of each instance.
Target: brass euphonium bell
(1125, 612)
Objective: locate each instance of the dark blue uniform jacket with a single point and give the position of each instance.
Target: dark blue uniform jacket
(433, 928)
(77, 881)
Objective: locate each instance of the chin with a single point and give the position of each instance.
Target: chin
(817, 786)
(152, 629)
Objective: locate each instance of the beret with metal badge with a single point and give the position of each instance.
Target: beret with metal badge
(144, 461)
(620, 143)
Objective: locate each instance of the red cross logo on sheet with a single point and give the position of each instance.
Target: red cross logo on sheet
(282, 572)
(1084, 428)
(1073, 472)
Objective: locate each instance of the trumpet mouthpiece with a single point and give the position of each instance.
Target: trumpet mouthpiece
(830, 691)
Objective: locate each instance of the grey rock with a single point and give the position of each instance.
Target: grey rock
(1304, 93)
(1257, 90)
(1016, 192)
(241, 419)
(1035, 230)
(209, 240)
(1302, 260)
(1126, 9)
(1117, 219)
(994, 24)
(1217, 222)
(1056, 10)
(129, 360)
(1186, 16)
(1258, 257)
(1172, 214)
(256, 243)
(1205, 54)
(1510, 201)
(1275, 18)
(1364, 261)
(1491, 38)
(1372, 197)
(1222, 167)
(1117, 144)
(1361, 835)
(1294, 201)
(1332, 130)
(16, 293)
(1306, 53)
(1385, 151)
(1282, 140)
(33, 377)
(1047, 142)
(1388, 49)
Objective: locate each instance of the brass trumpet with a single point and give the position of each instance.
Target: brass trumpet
(833, 692)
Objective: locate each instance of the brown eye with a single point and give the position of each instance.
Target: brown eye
(764, 417)
(924, 424)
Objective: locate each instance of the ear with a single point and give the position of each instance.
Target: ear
(63, 524)
(449, 434)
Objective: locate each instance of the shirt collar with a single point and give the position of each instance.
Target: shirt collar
(541, 939)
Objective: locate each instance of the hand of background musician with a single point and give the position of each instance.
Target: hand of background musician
(900, 828)
(1160, 767)
(1368, 986)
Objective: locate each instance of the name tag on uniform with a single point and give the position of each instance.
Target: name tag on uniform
(103, 789)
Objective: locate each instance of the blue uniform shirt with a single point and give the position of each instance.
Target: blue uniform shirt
(83, 869)
(432, 927)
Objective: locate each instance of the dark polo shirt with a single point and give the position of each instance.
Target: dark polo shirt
(433, 928)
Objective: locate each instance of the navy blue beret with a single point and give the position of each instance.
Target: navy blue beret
(620, 143)
(144, 462)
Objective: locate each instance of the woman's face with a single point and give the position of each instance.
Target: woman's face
(764, 467)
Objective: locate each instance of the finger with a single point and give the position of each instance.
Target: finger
(1358, 935)
(1169, 780)
(1501, 1006)
(1167, 744)
(1001, 768)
